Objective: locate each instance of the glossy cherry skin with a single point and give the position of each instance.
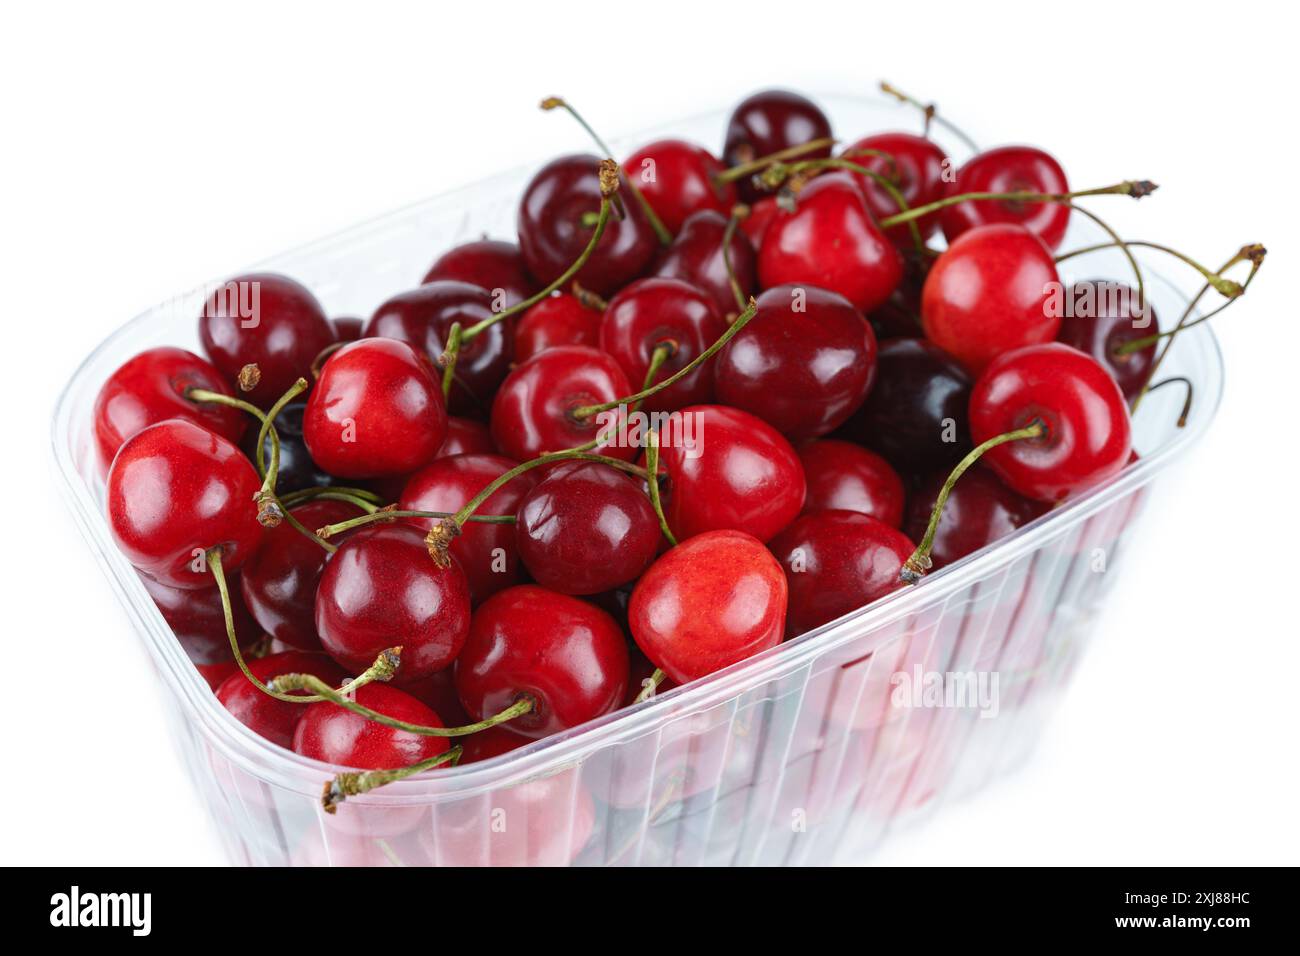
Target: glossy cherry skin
(586, 528)
(831, 241)
(1088, 433)
(268, 320)
(1104, 316)
(1003, 170)
(768, 121)
(466, 437)
(843, 476)
(918, 403)
(761, 214)
(532, 413)
(333, 734)
(559, 319)
(297, 470)
(485, 552)
(347, 328)
(696, 257)
(552, 234)
(738, 473)
(274, 719)
(569, 657)
(915, 165)
(381, 589)
(836, 562)
(651, 312)
(676, 178)
(150, 388)
(196, 618)
(423, 317)
(489, 264)
(989, 293)
(377, 410)
(803, 364)
(490, 743)
(980, 510)
(279, 582)
(177, 490)
(707, 603)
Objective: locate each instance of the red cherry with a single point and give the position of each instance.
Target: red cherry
(347, 328)
(489, 264)
(707, 603)
(760, 217)
(490, 743)
(465, 437)
(831, 241)
(845, 477)
(382, 589)
(333, 734)
(260, 712)
(269, 320)
(915, 165)
(1003, 170)
(1104, 316)
(676, 178)
(217, 674)
(175, 491)
(803, 364)
(559, 319)
(696, 257)
(768, 122)
(989, 293)
(438, 691)
(980, 510)
(569, 657)
(198, 621)
(377, 410)
(150, 388)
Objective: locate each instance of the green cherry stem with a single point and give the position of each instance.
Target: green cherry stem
(386, 514)
(353, 783)
(650, 685)
(652, 468)
(1225, 287)
(365, 500)
(1124, 247)
(662, 353)
(1187, 403)
(739, 213)
(741, 170)
(839, 162)
(1134, 188)
(931, 115)
(449, 356)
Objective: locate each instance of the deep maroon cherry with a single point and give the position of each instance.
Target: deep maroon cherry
(1003, 170)
(268, 320)
(899, 316)
(297, 469)
(676, 178)
(568, 657)
(843, 476)
(1102, 316)
(489, 264)
(333, 734)
(980, 510)
(768, 122)
(586, 528)
(559, 319)
(347, 328)
(198, 621)
(466, 437)
(260, 712)
(914, 165)
(696, 257)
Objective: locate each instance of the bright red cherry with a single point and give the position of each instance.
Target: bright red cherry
(769, 121)
(846, 477)
(377, 410)
(175, 491)
(676, 178)
(831, 241)
(260, 712)
(198, 621)
(333, 734)
(914, 164)
(707, 603)
(696, 257)
(466, 437)
(1003, 170)
(150, 388)
(803, 364)
(836, 562)
(569, 657)
(761, 214)
(559, 319)
(1102, 317)
(980, 510)
(1088, 437)
(489, 264)
(989, 293)
(268, 320)
(381, 589)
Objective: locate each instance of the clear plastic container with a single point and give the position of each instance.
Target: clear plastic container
(797, 756)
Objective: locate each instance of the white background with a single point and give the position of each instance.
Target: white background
(150, 147)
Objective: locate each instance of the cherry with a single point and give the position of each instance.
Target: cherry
(177, 490)
(1003, 170)
(559, 319)
(553, 233)
(830, 240)
(914, 164)
(585, 528)
(845, 477)
(568, 657)
(803, 364)
(1106, 315)
(489, 264)
(465, 437)
(196, 618)
(297, 470)
(150, 388)
(989, 293)
(267, 320)
(707, 603)
(836, 562)
(485, 552)
(347, 328)
(696, 256)
(490, 743)
(533, 410)
(260, 712)
(438, 691)
(980, 510)
(768, 122)
(217, 674)
(668, 313)
(676, 178)
(900, 316)
(382, 589)
(761, 214)
(734, 472)
(377, 410)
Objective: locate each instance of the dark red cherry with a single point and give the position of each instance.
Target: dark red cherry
(490, 743)
(830, 240)
(569, 657)
(696, 257)
(676, 178)
(553, 233)
(707, 603)
(489, 264)
(196, 618)
(274, 719)
(533, 411)
(980, 510)
(842, 476)
(1003, 170)
(1088, 436)
(915, 166)
(381, 589)
(333, 734)
(900, 316)
(177, 490)
(377, 410)
(268, 320)
(347, 328)
(465, 437)
(485, 552)
(217, 674)
(1101, 317)
(423, 317)
(586, 528)
(769, 121)
(150, 388)
(438, 691)
(990, 292)
(836, 562)
(559, 319)
(760, 217)
(297, 469)
(803, 364)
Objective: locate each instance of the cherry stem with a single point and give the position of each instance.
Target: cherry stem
(919, 562)
(1187, 405)
(739, 213)
(662, 353)
(1225, 287)
(931, 112)
(319, 361)
(392, 514)
(1134, 188)
(741, 170)
(839, 162)
(203, 396)
(353, 783)
(652, 469)
(588, 298)
(650, 685)
(363, 499)
(1128, 254)
(449, 357)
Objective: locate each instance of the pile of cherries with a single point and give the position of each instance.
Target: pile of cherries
(446, 521)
